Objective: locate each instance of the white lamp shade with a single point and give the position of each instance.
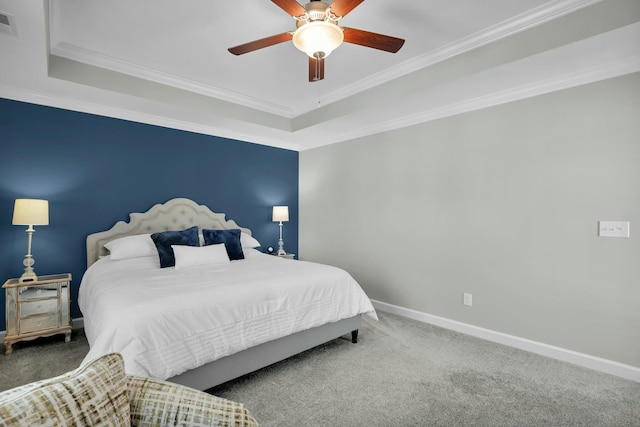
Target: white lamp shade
(318, 37)
(31, 212)
(281, 213)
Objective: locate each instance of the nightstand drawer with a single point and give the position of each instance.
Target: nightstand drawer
(47, 306)
(38, 323)
(43, 291)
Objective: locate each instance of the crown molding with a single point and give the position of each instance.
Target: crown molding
(537, 16)
(614, 54)
(89, 57)
(118, 112)
(600, 57)
(592, 75)
(616, 66)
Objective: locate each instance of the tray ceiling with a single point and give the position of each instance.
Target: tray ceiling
(166, 63)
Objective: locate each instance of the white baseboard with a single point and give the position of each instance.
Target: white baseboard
(596, 363)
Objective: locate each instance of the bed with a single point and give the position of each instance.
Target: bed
(202, 324)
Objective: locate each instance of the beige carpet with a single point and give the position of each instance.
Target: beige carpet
(401, 373)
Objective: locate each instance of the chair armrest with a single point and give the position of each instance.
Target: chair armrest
(154, 402)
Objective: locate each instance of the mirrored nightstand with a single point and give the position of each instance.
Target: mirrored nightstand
(39, 308)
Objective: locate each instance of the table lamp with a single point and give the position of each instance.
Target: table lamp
(30, 212)
(281, 214)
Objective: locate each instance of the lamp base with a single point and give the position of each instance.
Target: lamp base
(28, 276)
(281, 243)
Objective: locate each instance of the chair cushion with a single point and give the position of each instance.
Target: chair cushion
(94, 394)
(160, 403)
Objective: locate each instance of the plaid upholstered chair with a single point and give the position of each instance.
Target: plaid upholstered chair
(101, 394)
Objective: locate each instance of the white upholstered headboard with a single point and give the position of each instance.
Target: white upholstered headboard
(176, 214)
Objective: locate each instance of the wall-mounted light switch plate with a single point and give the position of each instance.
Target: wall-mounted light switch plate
(613, 229)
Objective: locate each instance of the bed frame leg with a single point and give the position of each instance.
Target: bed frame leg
(354, 336)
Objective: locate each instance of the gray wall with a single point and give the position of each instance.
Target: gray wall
(502, 203)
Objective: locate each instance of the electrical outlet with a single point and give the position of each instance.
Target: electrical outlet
(613, 229)
(467, 299)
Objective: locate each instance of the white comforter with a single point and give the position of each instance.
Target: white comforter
(165, 321)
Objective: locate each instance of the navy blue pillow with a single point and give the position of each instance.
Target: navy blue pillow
(230, 238)
(164, 240)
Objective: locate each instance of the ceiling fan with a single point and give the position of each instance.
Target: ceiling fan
(318, 34)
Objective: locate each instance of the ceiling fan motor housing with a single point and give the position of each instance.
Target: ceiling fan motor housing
(317, 33)
(317, 11)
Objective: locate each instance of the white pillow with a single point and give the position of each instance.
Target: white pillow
(131, 247)
(247, 241)
(200, 255)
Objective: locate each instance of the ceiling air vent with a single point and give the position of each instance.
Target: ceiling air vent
(7, 25)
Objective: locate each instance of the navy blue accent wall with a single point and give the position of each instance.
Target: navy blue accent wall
(96, 170)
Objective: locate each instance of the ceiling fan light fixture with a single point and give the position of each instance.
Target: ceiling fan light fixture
(318, 38)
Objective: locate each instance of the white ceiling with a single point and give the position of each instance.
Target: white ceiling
(166, 62)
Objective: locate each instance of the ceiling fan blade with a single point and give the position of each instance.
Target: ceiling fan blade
(373, 40)
(342, 7)
(316, 69)
(259, 44)
(292, 7)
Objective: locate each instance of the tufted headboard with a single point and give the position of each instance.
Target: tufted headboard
(176, 214)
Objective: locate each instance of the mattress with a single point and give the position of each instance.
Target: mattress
(165, 321)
